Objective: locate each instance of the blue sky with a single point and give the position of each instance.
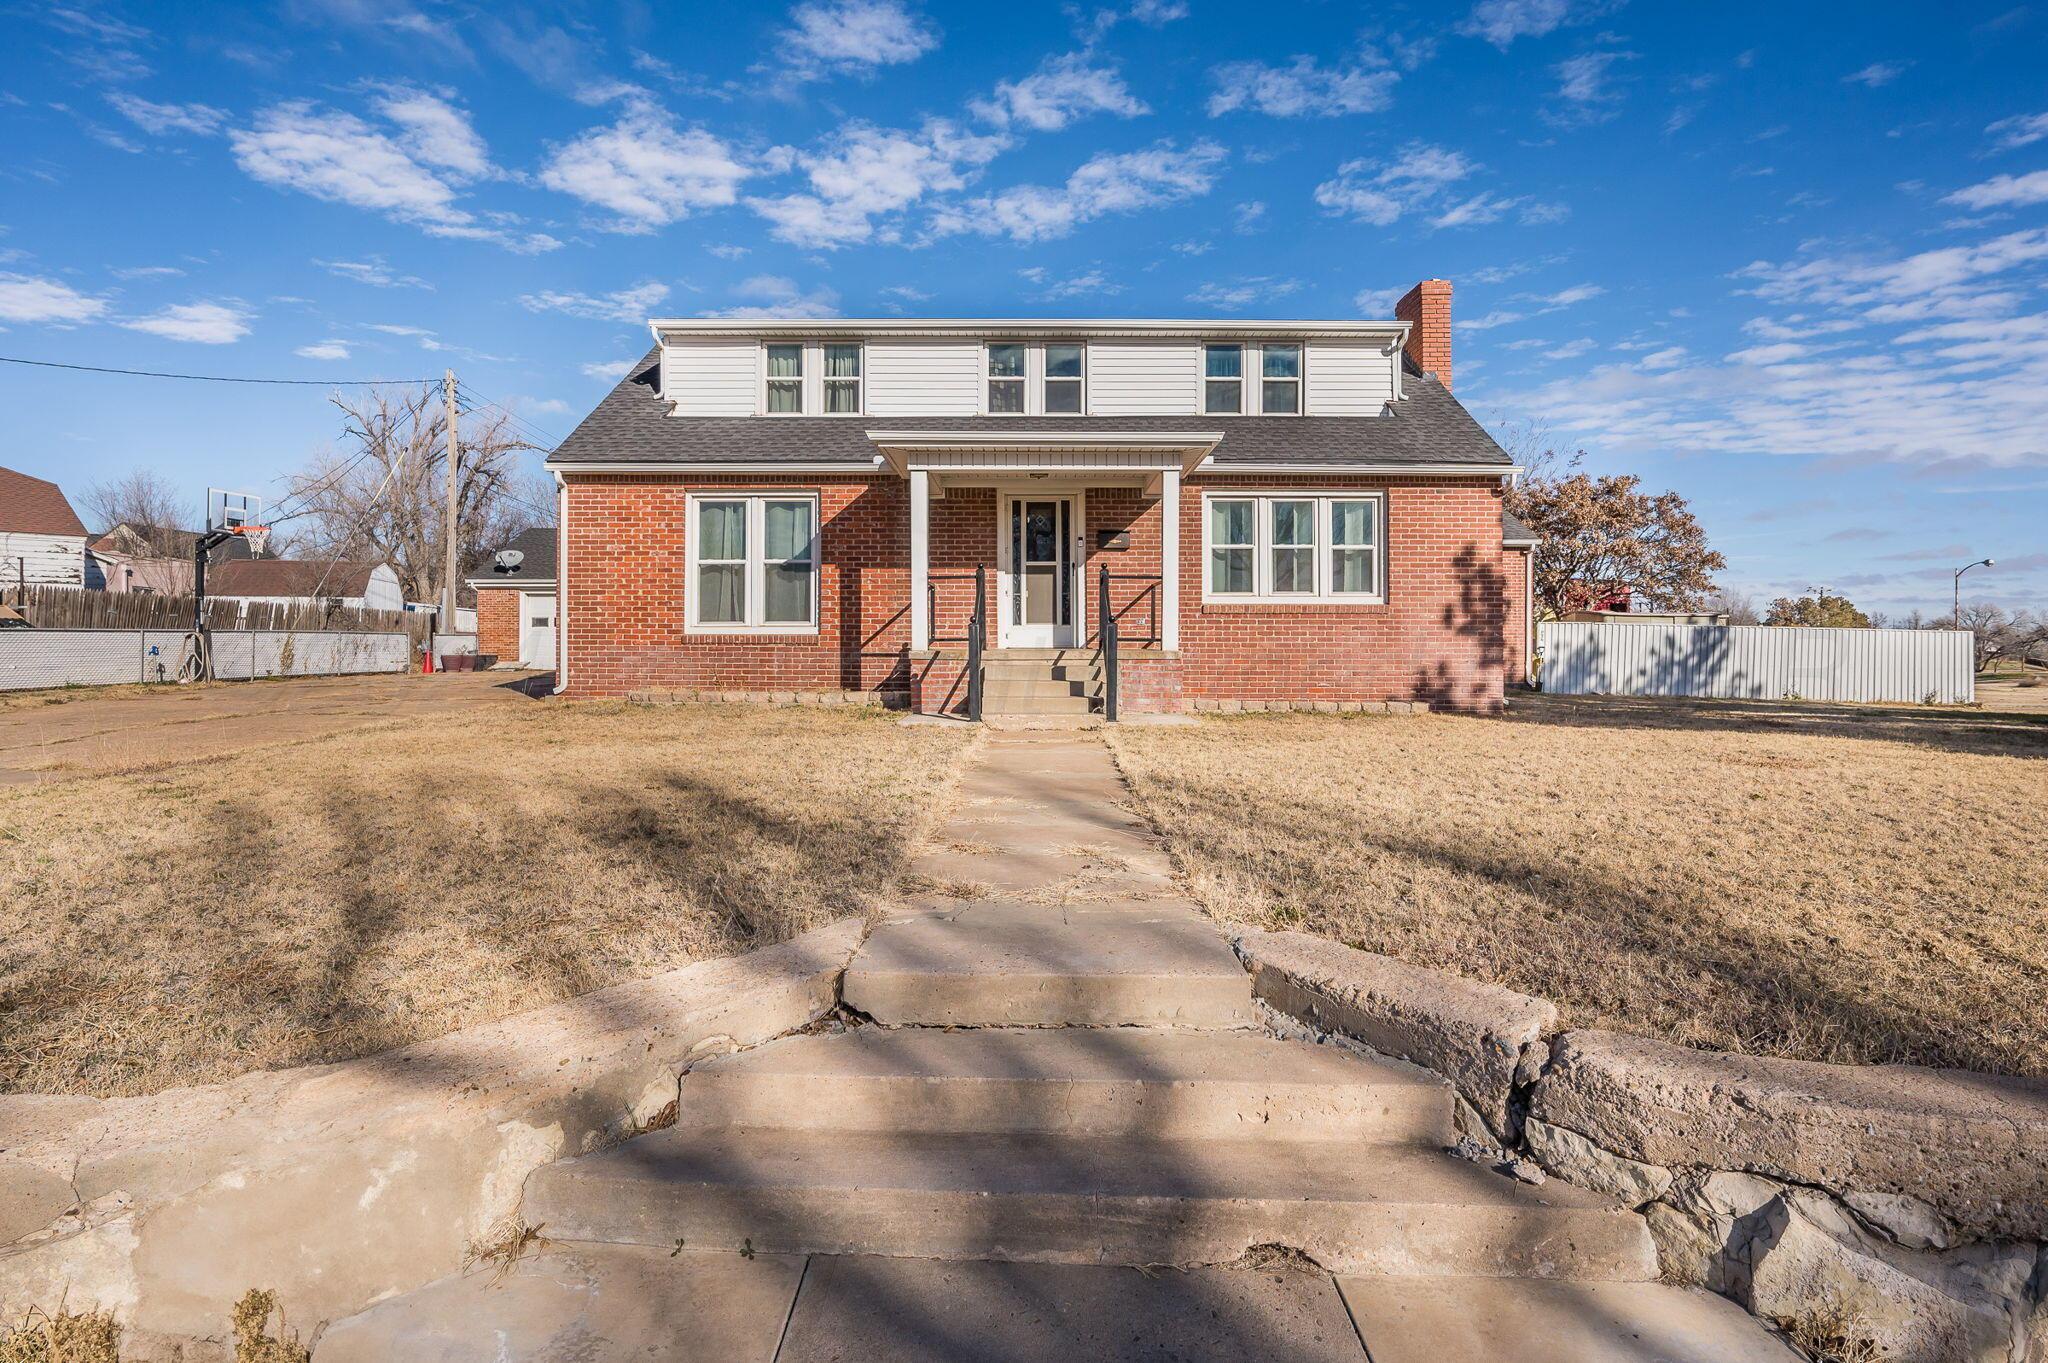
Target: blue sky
(1789, 266)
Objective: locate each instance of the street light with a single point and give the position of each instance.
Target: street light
(1956, 613)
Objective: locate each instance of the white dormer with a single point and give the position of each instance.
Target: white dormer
(894, 367)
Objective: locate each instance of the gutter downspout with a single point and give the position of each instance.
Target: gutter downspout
(561, 583)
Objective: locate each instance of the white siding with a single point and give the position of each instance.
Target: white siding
(51, 560)
(711, 378)
(1347, 379)
(1758, 662)
(1144, 378)
(924, 378)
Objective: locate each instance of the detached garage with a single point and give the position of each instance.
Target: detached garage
(515, 602)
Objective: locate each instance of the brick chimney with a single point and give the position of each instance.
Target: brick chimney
(1428, 306)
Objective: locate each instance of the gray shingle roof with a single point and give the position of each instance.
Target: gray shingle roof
(1512, 530)
(538, 566)
(632, 424)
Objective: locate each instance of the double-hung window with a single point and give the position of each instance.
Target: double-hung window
(1280, 380)
(842, 380)
(1064, 376)
(1006, 378)
(785, 380)
(1222, 379)
(753, 564)
(1295, 546)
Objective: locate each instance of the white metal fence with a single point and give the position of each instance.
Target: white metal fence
(32, 658)
(1758, 662)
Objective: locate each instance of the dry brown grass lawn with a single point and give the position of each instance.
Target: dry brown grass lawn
(1818, 882)
(318, 900)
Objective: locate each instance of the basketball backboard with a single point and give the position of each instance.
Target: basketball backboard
(227, 510)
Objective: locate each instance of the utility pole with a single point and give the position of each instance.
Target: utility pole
(447, 621)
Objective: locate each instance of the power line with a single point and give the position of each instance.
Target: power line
(464, 390)
(210, 378)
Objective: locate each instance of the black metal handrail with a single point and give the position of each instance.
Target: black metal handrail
(1106, 631)
(976, 637)
(1150, 596)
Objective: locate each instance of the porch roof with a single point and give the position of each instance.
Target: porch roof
(1428, 429)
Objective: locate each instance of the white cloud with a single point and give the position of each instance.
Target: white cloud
(609, 370)
(2004, 191)
(148, 272)
(1376, 303)
(410, 177)
(1582, 85)
(726, 250)
(373, 272)
(1381, 192)
(1303, 89)
(1876, 74)
(158, 119)
(1087, 284)
(1500, 22)
(1158, 13)
(1577, 293)
(646, 170)
(1120, 182)
(634, 304)
(778, 296)
(1669, 357)
(27, 298)
(397, 329)
(830, 37)
(197, 323)
(2021, 130)
(1062, 90)
(907, 293)
(1571, 350)
(1499, 317)
(323, 350)
(867, 172)
(1242, 293)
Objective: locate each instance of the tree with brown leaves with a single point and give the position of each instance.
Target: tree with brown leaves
(1605, 537)
(382, 495)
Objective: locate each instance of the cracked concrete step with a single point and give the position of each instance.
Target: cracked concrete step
(1025, 966)
(1180, 1085)
(1380, 1210)
(1497, 1321)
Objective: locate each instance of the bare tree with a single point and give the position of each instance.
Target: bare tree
(382, 494)
(1999, 635)
(1739, 607)
(147, 503)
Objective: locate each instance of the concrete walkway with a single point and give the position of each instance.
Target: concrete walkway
(1061, 1135)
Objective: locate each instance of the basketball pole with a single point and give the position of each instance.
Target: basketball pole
(448, 559)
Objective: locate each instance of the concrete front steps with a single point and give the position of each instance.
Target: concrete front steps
(1040, 681)
(1081, 1147)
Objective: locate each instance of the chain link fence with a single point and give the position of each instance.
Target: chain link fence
(32, 659)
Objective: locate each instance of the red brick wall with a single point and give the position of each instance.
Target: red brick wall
(626, 567)
(1514, 566)
(1428, 306)
(1437, 638)
(497, 622)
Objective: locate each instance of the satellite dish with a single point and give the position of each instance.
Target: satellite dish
(508, 560)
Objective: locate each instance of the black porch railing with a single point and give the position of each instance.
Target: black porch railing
(1147, 597)
(1107, 631)
(976, 637)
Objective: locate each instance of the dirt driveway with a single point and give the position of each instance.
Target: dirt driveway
(56, 735)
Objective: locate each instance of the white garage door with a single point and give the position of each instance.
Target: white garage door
(536, 630)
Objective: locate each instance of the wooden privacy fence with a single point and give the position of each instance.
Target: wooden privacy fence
(1758, 662)
(75, 608)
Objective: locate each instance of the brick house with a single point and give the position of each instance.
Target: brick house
(515, 601)
(1270, 511)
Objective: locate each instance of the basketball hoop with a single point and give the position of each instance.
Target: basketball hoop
(256, 536)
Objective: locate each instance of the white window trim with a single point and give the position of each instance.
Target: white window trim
(1045, 378)
(804, 381)
(990, 379)
(755, 572)
(860, 380)
(1300, 379)
(1262, 547)
(1033, 377)
(1246, 356)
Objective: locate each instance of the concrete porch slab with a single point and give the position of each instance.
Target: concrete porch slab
(933, 1311)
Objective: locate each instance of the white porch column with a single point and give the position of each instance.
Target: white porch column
(1169, 559)
(920, 559)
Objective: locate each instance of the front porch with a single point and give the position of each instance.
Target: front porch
(1022, 545)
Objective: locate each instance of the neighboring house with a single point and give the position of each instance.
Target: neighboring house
(42, 541)
(1518, 561)
(141, 558)
(1288, 511)
(515, 606)
(282, 581)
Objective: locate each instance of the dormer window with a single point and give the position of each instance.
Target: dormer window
(842, 380)
(1006, 378)
(1280, 380)
(1222, 379)
(785, 380)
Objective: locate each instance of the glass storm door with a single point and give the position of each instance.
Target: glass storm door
(1040, 603)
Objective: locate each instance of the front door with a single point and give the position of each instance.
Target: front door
(1038, 605)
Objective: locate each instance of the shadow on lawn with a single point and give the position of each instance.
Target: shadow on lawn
(1989, 733)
